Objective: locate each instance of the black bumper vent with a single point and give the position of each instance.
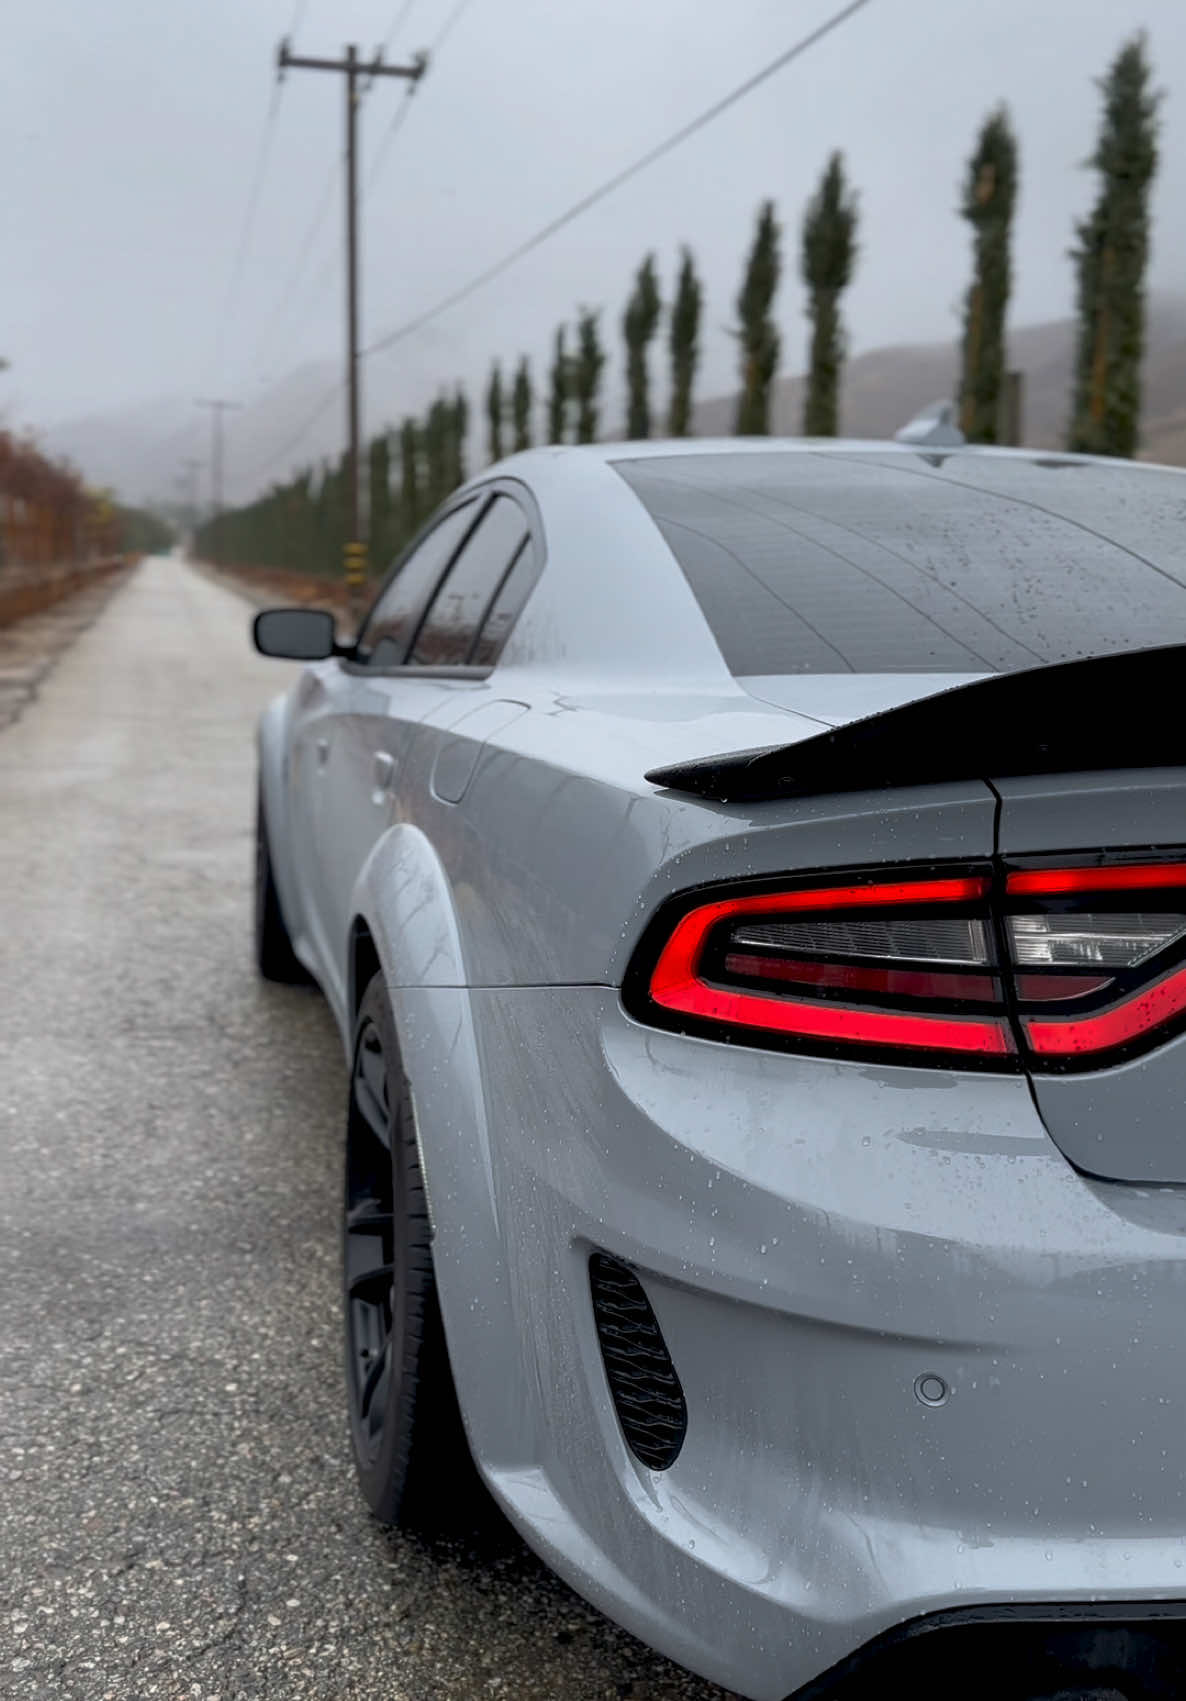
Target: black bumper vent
(646, 1391)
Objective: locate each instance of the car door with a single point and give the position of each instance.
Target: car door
(413, 658)
(338, 763)
(312, 730)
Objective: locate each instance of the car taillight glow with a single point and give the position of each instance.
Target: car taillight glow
(811, 994)
(959, 965)
(1131, 1019)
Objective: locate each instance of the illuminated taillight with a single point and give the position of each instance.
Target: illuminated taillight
(861, 965)
(1057, 967)
(1106, 946)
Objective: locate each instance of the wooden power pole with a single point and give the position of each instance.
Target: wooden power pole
(352, 68)
(217, 409)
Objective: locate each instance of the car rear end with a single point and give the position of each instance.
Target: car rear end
(858, 1342)
(856, 1166)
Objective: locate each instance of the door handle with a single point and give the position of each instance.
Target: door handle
(322, 752)
(382, 770)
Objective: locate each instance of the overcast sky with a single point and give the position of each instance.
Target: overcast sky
(131, 129)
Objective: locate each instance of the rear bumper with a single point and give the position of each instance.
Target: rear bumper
(816, 1239)
(1043, 1648)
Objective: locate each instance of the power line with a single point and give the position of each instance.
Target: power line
(399, 117)
(329, 266)
(284, 300)
(607, 188)
(352, 70)
(263, 154)
(254, 192)
(397, 24)
(401, 112)
(217, 406)
(665, 147)
(326, 401)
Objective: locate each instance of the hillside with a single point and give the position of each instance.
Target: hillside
(139, 450)
(884, 387)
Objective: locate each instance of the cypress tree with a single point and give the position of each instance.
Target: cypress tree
(380, 531)
(436, 449)
(586, 375)
(828, 254)
(990, 191)
(684, 345)
(757, 335)
(521, 406)
(1110, 262)
(411, 502)
(559, 380)
(458, 432)
(334, 491)
(640, 321)
(494, 408)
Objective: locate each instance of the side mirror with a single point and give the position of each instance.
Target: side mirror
(296, 634)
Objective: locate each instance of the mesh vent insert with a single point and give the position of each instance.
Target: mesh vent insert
(642, 1380)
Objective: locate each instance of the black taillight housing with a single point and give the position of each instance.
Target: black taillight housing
(1054, 966)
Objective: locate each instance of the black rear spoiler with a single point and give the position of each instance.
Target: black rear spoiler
(1116, 711)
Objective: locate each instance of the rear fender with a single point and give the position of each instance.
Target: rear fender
(403, 897)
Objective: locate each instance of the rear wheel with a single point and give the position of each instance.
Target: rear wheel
(409, 1446)
(274, 955)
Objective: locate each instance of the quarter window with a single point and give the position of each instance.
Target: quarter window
(384, 639)
(505, 609)
(448, 631)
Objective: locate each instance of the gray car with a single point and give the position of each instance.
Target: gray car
(750, 881)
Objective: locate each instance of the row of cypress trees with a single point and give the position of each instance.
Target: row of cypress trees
(574, 377)
(302, 524)
(1110, 258)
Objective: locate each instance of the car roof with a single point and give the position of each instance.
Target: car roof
(574, 456)
(613, 581)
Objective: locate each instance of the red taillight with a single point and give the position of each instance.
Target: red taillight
(1051, 882)
(901, 976)
(1056, 964)
(1076, 939)
(1131, 1019)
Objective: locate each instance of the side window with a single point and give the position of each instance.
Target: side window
(384, 639)
(506, 607)
(448, 631)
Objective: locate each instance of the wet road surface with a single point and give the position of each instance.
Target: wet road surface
(178, 1516)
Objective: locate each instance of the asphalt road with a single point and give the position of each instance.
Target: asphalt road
(177, 1511)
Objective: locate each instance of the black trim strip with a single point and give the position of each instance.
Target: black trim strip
(1018, 1615)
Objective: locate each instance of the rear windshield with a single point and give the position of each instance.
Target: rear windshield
(921, 563)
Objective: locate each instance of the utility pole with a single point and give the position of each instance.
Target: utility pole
(352, 68)
(188, 481)
(217, 409)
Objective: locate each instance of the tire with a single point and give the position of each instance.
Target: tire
(274, 955)
(409, 1444)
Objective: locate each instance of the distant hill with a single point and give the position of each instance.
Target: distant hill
(884, 387)
(138, 450)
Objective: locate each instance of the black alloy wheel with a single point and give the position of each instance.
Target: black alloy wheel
(405, 1426)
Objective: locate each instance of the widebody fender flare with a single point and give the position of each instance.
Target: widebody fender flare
(403, 900)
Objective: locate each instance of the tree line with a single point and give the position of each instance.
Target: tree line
(50, 517)
(302, 524)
